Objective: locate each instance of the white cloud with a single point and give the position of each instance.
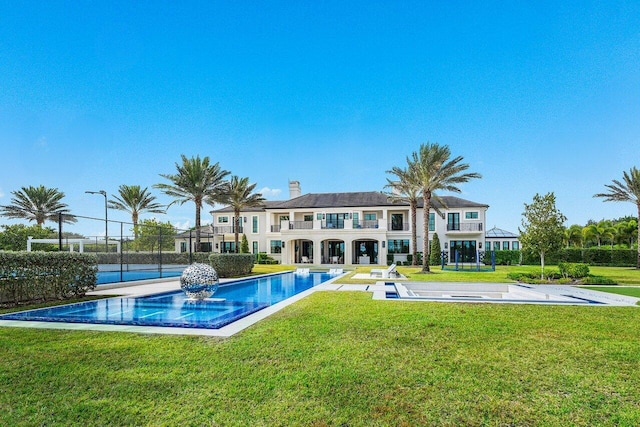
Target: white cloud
(270, 193)
(182, 225)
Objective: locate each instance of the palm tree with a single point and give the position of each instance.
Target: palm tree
(626, 191)
(573, 235)
(134, 200)
(197, 181)
(237, 193)
(405, 188)
(37, 204)
(436, 171)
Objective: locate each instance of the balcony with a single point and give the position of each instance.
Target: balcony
(225, 229)
(398, 227)
(300, 225)
(367, 223)
(465, 228)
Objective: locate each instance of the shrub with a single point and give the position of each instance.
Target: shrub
(44, 276)
(573, 270)
(502, 257)
(598, 280)
(232, 265)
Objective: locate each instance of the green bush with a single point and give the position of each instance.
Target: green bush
(502, 257)
(232, 265)
(598, 280)
(573, 270)
(45, 276)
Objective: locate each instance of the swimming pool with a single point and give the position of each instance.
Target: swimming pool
(233, 301)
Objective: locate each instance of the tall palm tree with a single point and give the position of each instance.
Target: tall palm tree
(405, 188)
(626, 191)
(238, 194)
(573, 235)
(436, 171)
(37, 204)
(197, 181)
(134, 200)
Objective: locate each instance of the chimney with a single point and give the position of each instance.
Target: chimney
(294, 189)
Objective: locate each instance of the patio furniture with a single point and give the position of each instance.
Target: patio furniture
(384, 274)
(305, 260)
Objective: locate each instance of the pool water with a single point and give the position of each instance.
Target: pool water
(232, 301)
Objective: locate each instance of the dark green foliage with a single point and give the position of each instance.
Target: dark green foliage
(503, 257)
(14, 237)
(232, 265)
(244, 246)
(434, 251)
(43, 276)
(389, 259)
(152, 258)
(573, 270)
(263, 258)
(597, 280)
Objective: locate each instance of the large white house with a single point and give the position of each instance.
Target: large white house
(346, 228)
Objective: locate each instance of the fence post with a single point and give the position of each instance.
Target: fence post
(60, 231)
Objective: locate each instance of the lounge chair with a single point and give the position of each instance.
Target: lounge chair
(384, 273)
(305, 260)
(335, 271)
(302, 271)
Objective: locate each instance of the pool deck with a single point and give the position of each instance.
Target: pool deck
(379, 290)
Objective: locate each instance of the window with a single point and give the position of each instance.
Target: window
(254, 220)
(228, 247)
(370, 217)
(276, 246)
(183, 246)
(205, 246)
(432, 221)
(398, 246)
(308, 217)
(496, 246)
(255, 247)
(319, 216)
(453, 221)
(505, 245)
(471, 215)
(223, 219)
(465, 249)
(515, 246)
(396, 222)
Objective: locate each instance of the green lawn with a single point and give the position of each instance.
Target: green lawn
(338, 358)
(632, 292)
(622, 275)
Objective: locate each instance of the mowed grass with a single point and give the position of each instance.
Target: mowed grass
(622, 275)
(338, 358)
(629, 291)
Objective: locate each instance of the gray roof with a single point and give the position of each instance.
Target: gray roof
(500, 233)
(352, 200)
(268, 204)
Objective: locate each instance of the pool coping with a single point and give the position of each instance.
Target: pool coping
(160, 286)
(379, 292)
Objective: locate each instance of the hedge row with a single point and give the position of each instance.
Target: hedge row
(181, 258)
(45, 276)
(591, 256)
(232, 265)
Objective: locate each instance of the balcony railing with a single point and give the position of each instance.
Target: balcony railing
(300, 225)
(367, 223)
(338, 224)
(398, 227)
(464, 227)
(225, 229)
(275, 228)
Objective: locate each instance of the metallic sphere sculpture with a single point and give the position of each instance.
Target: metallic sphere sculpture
(199, 281)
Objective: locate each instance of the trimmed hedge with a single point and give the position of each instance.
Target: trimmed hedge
(502, 257)
(591, 256)
(44, 276)
(573, 270)
(153, 257)
(232, 265)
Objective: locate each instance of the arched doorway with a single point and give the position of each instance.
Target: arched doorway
(332, 251)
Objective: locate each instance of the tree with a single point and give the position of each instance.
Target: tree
(626, 191)
(237, 193)
(573, 235)
(153, 234)
(435, 257)
(542, 226)
(197, 181)
(135, 201)
(436, 171)
(14, 237)
(405, 188)
(244, 246)
(37, 204)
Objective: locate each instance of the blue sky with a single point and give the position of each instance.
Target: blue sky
(536, 96)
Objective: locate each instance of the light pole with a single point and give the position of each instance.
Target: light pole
(106, 220)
